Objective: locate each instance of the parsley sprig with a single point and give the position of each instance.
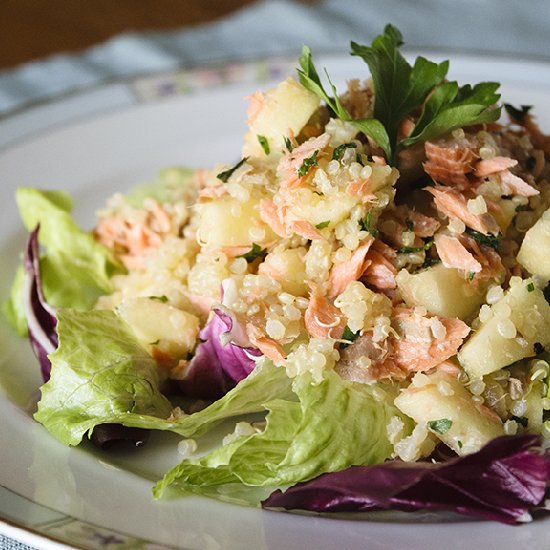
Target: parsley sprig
(401, 89)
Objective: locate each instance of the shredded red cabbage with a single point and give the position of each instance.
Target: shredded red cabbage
(41, 320)
(221, 360)
(503, 481)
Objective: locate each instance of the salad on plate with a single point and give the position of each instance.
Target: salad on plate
(362, 300)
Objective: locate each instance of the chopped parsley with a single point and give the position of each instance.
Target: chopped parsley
(409, 224)
(308, 163)
(226, 174)
(460, 444)
(255, 252)
(530, 287)
(520, 420)
(440, 426)
(518, 115)
(262, 140)
(366, 224)
(471, 275)
(413, 249)
(162, 299)
(349, 335)
(530, 163)
(400, 89)
(429, 261)
(488, 240)
(322, 225)
(339, 151)
(288, 144)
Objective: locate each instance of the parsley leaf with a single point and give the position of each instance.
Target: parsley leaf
(322, 225)
(367, 225)
(288, 144)
(162, 298)
(398, 87)
(517, 115)
(262, 140)
(401, 89)
(226, 174)
(440, 426)
(339, 151)
(488, 240)
(255, 252)
(309, 78)
(414, 249)
(349, 336)
(308, 163)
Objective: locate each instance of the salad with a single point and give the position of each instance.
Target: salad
(363, 297)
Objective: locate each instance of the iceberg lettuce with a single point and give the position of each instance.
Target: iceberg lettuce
(76, 269)
(326, 427)
(101, 375)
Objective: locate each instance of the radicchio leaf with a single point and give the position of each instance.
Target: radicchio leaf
(222, 359)
(503, 481)
(40, 315)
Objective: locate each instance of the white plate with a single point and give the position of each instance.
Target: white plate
(50, 494)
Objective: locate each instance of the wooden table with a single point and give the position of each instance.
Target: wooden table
(33, 29)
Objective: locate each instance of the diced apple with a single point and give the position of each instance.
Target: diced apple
(159, 324)
(493, 346)
(288, 106)
(317, 209)
(288, 267)
(442, 291)
(445, 406)
(227, 222)
(534, 254)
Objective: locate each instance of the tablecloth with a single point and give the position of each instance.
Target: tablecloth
(275, 27)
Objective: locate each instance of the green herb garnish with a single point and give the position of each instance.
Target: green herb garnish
(530, 163)
(339, 151)
(255, 252)
(460, 444)
(288, 144)
(366, 224)
(349, 336)
(516, 114)
(471, 275)
(226, 174)
(488, 240)
(322, 225)
(308, 163)
(530, 287)
(413, 249)
(162, 299)
(520, 420)
(440, 426)
(262, 140)
(400, 89)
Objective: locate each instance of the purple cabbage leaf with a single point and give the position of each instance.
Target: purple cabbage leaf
(504, 482)
(41, 319)
(222, 359)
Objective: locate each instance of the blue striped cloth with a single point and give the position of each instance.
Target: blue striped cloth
(275, 27)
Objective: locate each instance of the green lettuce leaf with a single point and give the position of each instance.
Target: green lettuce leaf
(99, 373)
(12, 308)
(171, 185)
(333, 425)
(75, 270)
